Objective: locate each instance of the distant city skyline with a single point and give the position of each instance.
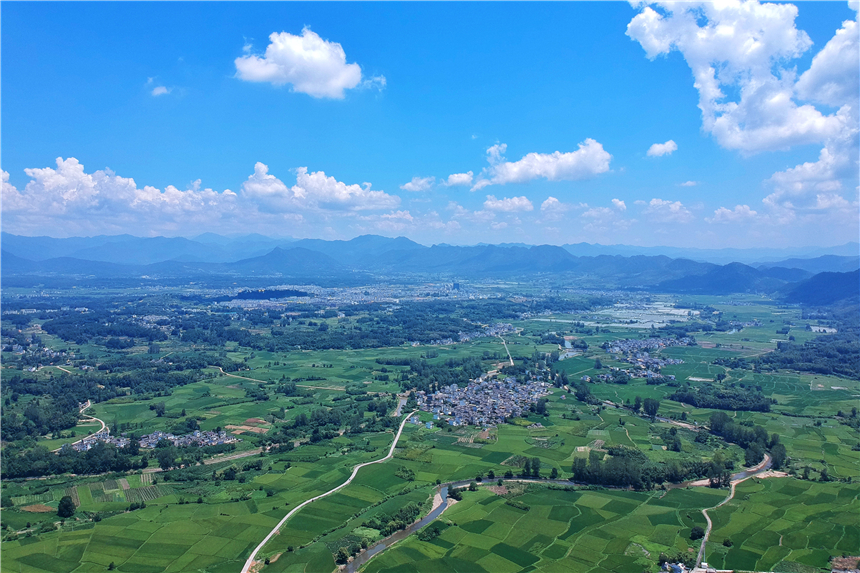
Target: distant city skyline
(731, 125)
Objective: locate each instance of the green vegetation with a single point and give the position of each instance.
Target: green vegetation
(309, 403)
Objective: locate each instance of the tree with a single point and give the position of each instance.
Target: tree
(160, 408)
(527, 468)
(637, 404)
(342, 555)
(473, 486)
(651, 406)
(598, 364)
(66, 507)
(697, 533)
(779, 455)
(536, 467)
(554, 473)
(112, 566)
(166, 458)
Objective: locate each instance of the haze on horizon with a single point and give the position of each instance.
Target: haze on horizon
(445, 123)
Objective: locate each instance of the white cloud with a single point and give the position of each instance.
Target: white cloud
(588, 161)
(161, 90)
(599, 213)
(310, 64)
(313, 191)
(660, 211)
(69, 197)
(327, 192)
(748, 48)
(458, 179)
(619, 204)
(834, 76)
(553, 205)
(508, 204)
(744, 46)
(740, 214)
(661, 149)
(498, 226)
(689, 183)
(419, 184)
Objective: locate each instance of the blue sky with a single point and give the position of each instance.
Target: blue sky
(181, 118)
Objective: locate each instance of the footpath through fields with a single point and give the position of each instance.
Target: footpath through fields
(251, 558)
(268, 381)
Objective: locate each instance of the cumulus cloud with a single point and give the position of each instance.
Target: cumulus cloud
(751, 97)
(161, 90)
(689, 183)
(458, 179)
(102, 200)
(619, 204)
(308, 63)
(327, 192)
(508, 204)
(588, 161)
(419, 184)
(739, 45)
(740, 214)
(660, 211)
(661, 149)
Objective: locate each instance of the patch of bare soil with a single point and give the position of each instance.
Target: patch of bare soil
(38, 508)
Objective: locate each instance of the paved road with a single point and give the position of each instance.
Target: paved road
(506, 350)
(250, 562)
(741, 476)
(85, 406)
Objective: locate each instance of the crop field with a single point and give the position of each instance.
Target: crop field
(573, 530)
(199, 519)
(785, 525)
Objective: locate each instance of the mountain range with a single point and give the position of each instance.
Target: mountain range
(125, 256)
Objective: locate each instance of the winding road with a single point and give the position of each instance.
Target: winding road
(250, 562)
(84, 407)
(741, 476)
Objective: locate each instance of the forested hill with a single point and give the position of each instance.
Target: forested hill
(826, 288)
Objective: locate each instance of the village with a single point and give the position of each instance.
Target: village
(197, 438)
(486, 401)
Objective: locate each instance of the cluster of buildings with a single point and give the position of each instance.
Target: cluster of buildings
(497, 329)
(100, 436)
(484, 402)
(197, 438)
(336, 297)
(634, 345)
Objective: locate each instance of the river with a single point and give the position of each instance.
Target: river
(364, 557)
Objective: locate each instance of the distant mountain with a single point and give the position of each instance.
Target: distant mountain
(217, 258)
(296, 261)
(824, 263)
(361, 250)
(14, 265)
(753, 256)
(826, 288)
(727, 279)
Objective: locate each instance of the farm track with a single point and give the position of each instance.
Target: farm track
(764, 465)
(268, 381)
(251, 562)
